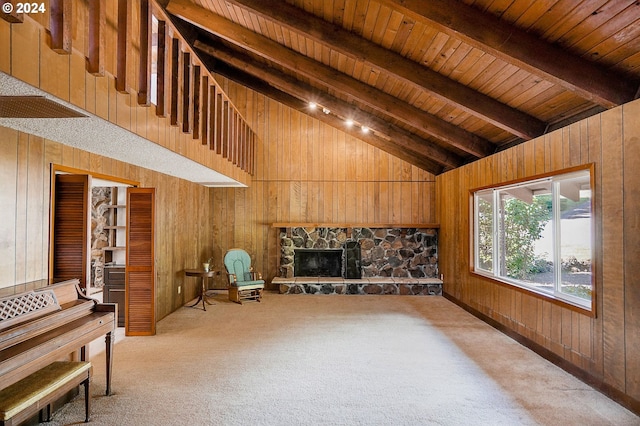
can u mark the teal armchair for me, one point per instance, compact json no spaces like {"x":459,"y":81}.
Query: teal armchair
{"x":244,"y":284}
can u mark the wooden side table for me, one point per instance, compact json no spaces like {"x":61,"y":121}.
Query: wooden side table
{"x":204,"y":275}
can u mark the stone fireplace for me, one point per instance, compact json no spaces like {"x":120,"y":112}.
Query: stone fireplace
{"x":384,"y":252}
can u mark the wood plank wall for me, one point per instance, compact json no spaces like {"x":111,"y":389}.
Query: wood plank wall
{"x":183,"y":210}
{"x":307,"y":171}
{"x":605,"y":347}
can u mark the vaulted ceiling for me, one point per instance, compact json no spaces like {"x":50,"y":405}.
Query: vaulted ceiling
{"x":439,"y":83}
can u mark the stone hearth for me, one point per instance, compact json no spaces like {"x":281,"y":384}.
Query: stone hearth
{"x":326,"y":285}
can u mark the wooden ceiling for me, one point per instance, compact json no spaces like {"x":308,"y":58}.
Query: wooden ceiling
{"x":440,"y":83}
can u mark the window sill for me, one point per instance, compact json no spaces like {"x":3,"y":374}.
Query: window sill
{"x":539,"y":295}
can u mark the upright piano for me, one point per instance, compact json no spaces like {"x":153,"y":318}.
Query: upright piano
{"x":53,"y":323}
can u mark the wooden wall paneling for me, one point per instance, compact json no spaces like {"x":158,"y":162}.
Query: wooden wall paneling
{"x":37,"y":209}
{"x":631,"y":239}
{"x":584,"y":142}
{"x":575,"y":145}
{"x":124,"y":30}
{"x":302,"y":128}
{"x":96,"y":35}
{"x":10,"y":197}
{"x":153,"y":125}
{"x":298,"y":145}
{"x":316,"y":153}
{"x":258,"y":204}
{"x":23,"y":53}
{"x":613,"y":250}
{"x":257,"y":122}
{"x":196,"y":109}
{"x":97,"y":90}
{"x":269,"y":159}
{"x":243,"y":229}
{"x":5,"y":46}
{"x":205,"y":114}
{"x":595,"y":156}
{"x":77,"y":85}
{"x":175,"y":81}
{"x":140,"y":125}
{"x":216,"y":204}
{"x":144,"y":67}
{"x":186,"y":92}
{"x":52,"y":66}
{"x":326,"y":201}
{"x":124,"y":111}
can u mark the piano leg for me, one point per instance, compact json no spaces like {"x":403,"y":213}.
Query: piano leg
{"x":109,"y":339}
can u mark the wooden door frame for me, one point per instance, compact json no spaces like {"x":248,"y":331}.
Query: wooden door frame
{"x":59,"y":169}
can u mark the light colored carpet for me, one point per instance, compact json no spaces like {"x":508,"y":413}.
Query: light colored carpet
{"x":335,"y":360}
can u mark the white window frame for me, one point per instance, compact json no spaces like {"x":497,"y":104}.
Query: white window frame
{"x":493,"y":193}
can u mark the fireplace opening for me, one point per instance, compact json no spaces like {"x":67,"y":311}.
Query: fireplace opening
{"x":317,"y":263}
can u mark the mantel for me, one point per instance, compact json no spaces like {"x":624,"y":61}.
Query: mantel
{"x":355,"y":225}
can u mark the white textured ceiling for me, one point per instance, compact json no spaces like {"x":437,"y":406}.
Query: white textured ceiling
{"x":96,"y":135}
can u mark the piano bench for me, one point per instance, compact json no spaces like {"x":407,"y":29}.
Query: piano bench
{"x":38,"y":391}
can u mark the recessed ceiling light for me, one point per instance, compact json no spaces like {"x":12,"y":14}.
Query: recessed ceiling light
{"x":313,"y":105}
{"x":365,"y":129}
{"x":349,"y":122}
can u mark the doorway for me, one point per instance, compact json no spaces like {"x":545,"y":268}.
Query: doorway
{"x":91,"y":241}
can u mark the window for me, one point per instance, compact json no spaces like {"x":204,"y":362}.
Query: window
{"x":154,"y":60}
{"x":537,"y":235}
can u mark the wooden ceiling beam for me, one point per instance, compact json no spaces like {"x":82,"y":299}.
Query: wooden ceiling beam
{"x":376,"y":99}
{"x":262,"y":87}
{"x":307,"y":93}
{"x":340,"y":108}
{"x":515,"y":46}
{"x":360,"y":49}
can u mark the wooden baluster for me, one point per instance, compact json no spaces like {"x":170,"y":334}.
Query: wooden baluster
{"x":60,"y":26}
{"x":186,"y":91}
{"x":205,"y":110}
{"x":161,"y":70}
{"x":13,"y":17}
{"x":97,"y":26}
{"x":124,"y":40}
{"x":175,"y":80}
{"x":219,"y":123}
{"x":195,"y":104}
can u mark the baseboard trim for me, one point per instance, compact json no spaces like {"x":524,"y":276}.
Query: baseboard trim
{"x":618,"y":396}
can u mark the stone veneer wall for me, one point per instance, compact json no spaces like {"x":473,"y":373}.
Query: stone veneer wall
{"x":100,"y":198}
{"x":386,"y":252}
